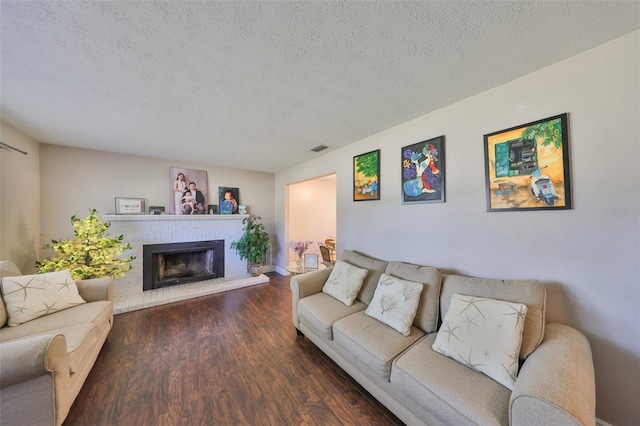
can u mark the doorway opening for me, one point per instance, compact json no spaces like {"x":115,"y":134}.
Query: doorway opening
{"x":311,"y":213}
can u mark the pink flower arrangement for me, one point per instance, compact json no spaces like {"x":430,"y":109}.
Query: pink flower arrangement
{"x":299,"y":247}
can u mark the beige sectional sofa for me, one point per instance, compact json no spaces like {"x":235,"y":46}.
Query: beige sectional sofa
{"x":44,"y":362}
{"x":555,"y":383}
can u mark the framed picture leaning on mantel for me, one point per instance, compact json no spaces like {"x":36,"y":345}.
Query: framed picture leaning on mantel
{"x":527,"y":167}
{"x":126,"y":205}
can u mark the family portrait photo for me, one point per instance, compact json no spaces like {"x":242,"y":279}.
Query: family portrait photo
{"x":189,"y":193}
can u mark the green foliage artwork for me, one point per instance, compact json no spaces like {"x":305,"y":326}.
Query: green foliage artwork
{"x":548,"y":131}
{"x":367,"y":164}
{"x":366,"y":176}
{"x":93,"y":253}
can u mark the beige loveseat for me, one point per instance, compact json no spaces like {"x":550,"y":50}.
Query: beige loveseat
{"x":555,"y":384}
{"x":44,"y":362}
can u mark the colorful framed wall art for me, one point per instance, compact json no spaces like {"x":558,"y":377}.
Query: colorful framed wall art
{"x":366,"y":176}
{"x":527,"y":167}
{"x":422,"y":168}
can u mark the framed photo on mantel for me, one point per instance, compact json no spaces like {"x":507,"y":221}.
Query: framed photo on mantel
{"x":130,"y":205}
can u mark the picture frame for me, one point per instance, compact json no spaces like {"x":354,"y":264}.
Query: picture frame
{"x":310,"y":261}
{"x":155,"y":210}
{"x":189,"y":191}
{"x":527,"y":167}
{"x":125,"y":205}
{"x":423,"y":172}
{"x":212,"y":208}
{"x":366,"y":176}
{"x":228,"y":206}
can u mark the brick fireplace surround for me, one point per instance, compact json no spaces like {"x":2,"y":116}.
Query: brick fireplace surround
{"x":139,"y":230}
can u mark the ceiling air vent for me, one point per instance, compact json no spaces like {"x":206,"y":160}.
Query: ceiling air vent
{"x":319,"y":148}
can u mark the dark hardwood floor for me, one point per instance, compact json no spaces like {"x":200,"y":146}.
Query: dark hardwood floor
{"x":227,"y":359}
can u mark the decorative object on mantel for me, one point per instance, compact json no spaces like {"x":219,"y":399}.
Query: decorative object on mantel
{"x":299,"y":247}
{"x":129,"y":205}
{"x":93,"y":253}
{"x":156,"y":209}
{"x":189,"y":191}
{"x":253,"y":244}
{"x":229,"y":199}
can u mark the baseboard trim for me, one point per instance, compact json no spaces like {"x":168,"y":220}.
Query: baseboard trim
{"x":602,"y":423}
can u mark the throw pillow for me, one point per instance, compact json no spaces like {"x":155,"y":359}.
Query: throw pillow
{"x":483,"y":334}
{"x":29,"y":297}
{"x":344,"y":282}
{"x":395,"y":303}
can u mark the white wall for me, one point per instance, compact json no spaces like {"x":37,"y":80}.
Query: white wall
{"x":588,"y":257}
{"x":312,"y":212}
{"x":19,"y":200}
{"x":76,"y":180}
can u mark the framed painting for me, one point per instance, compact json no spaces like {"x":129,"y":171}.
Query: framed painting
{"x":228,"y":198}
{"x":422,"y":168}
{"x":366,"y":176}
{"x":527,"y":167}
{"x":189,"y":193}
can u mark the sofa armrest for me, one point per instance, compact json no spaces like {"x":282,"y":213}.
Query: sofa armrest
{"x":34,"y":380}
{"x":305,"y":285}
{"x":556,"y":384}
{"x":96,"y":289}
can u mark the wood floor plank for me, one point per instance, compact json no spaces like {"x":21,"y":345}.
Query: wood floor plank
{"x":230,"y":358}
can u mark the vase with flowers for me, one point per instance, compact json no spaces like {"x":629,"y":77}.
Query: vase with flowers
{"x":299,"y":247}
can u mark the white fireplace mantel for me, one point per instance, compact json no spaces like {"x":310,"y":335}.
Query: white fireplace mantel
{"x":139,"y":230}
{"x":170,"y":217}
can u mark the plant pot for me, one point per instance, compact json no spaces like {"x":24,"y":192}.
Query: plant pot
{"x":255,"y":269}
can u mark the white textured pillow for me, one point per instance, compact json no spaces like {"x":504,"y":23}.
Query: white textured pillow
{"x":29,"y":297}
{"x":395,"y":303}
{"x":483,"y":334}
{"x":344,"y":282}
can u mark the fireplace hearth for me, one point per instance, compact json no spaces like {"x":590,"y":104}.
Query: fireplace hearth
{"x":180,"y":263}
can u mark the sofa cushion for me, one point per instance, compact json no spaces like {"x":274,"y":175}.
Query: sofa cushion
{"x":7,"y":269}
{"x":375,"y":268}
{"x":32,"y":296}
{"x":344,"y":282}
{"x":371,"y":343}
{"x":93,"y":312}
{"x":431,"y":278}
{"x":448,"y":389}
{"x":483,"y":334}
{"x":319,"y":311}
{"x":81,"y":327}
{"x":395,"y":303}
{"x":530,"y":292}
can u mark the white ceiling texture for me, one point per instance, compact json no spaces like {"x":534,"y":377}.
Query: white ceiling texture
{"x":256,"y":85}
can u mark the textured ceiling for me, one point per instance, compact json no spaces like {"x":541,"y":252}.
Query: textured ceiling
{"x":256,"y":85}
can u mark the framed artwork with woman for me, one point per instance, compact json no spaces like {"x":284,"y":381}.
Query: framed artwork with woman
{"x":189,"y":192}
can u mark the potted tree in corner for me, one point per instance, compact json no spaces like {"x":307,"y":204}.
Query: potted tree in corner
{"x":92,"y":253}
{"x":253,"y":244}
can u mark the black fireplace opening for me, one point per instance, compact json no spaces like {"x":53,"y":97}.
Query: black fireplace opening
{"x":171,"y":264}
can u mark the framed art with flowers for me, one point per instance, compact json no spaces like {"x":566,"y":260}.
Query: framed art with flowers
{"x":423,"y":172}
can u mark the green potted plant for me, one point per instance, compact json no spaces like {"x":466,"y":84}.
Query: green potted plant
{"x":93,"y":253}
{"x":253,"y":244}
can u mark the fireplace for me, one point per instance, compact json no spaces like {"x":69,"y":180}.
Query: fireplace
{"x":180,"y":263}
